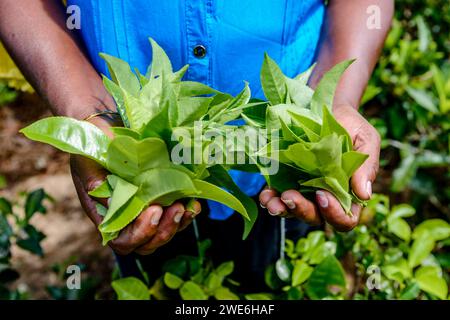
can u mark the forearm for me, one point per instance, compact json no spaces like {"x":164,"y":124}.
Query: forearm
{"x":35,"y":34}
{"x":346,"y":35}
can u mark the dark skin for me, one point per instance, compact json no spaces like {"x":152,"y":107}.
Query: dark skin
{"x":54,"y":62}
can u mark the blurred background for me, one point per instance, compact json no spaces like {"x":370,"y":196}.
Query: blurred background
{"x":43,"y":228}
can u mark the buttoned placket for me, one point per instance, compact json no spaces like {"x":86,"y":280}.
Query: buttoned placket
{"x":198,"y":35}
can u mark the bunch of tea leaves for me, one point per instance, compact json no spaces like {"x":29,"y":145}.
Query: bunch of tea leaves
{"x":314,"y":151}
{"x":159,"y":111}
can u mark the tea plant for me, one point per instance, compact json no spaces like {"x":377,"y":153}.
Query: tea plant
{"x":15,"y":228}
{"x":407,"y":99}
{"x":184,"y":277}
{"x":413,"y":262}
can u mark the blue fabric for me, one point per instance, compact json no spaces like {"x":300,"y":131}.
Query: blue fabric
{"x":235,"y":33}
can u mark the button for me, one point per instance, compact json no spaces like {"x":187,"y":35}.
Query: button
{"x":199,"y":51}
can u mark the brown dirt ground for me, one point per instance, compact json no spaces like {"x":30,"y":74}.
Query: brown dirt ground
{"x":28,"y":165}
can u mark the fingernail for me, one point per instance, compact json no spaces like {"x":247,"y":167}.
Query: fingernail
{"x":156,"y":216}
{"x":274,"y":213}
{"x":109,"y":202}
{"x":178,"y":217}
{"x":369,"y":188}
{"x":322,"y":199}
{"x":289,"y":203}
{"x":261,"y":205}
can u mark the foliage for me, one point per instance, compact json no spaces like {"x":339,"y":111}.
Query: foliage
{"x":154,"y":108}
{"x":315,"y":150}
{"x":389,"y":259}
{"x":10,"y":75}
{"x":88,"y":285}
{"x":159,"y":106}
{"x":184,"y":277}
{"x":408,"y":101}
{"x":15,"y":228}
{"x":413,"y":261}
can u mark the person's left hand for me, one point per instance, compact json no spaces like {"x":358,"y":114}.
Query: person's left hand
{"x":326,"y":207}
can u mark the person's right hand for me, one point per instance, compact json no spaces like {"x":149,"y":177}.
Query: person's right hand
{"x":154,"y":227}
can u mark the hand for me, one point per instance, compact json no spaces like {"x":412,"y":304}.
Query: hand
{"x":326,"y":207}
{"x":154,"y":227}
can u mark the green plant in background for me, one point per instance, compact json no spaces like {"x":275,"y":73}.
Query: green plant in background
{"x":184,"y":277}
{"x":310,"y":271}
{"x":383,"y":258}
{"x":88,"y":285}
{"x":7,"y":95}
{"x":412,"y":263}
{"x":15,"y":228}
{"x":408,"y":101}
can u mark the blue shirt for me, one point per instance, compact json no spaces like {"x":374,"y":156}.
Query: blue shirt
{"x":235,"y":34}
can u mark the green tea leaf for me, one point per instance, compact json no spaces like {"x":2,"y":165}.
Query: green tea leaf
{"x":102,"y":191}
{"x":333,"y":186}
{"x":420,"y":249}
{"x":123,"y":191}
{"x":130,"y":289}
{"x":329,"y":273}
{"x":121,"y":131}
{"x":402,"y":211}
{"x":437,"y":229}
{"x":430,"y":280}
{"x":299,"y":93}
{"x":302,"y":271}
{"x":330,"y":126}
{"x":172,"y":281}
{"x":121,"y":74}
{"x":117,"y":93}
{"x":161,"y":65}
{"x":223,"y":293}
{"x":225,"y":269}
{"x":70,"y":135}
{"x":191,"y":109}
{"x":192,"y":291}
{"x":164,"y":186}
{"x":212,"y":192}
{"x":111,"y":225}
{"x":273,"y":81}
{"x":127,"y":157}
{"x":303,"y":77}
{"x":324,"y":93}
{"x":400,"y":228}
{"x":220,"y":177}
{"x":352,"y":160}
{"x":194,"y":89}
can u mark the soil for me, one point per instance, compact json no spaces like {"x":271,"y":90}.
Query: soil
{"x":70,"y":235}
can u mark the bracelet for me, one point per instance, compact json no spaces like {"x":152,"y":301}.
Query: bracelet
{"x":101,"y":113}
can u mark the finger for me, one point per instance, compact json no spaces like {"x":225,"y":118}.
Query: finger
{"x":276,"y":207}
{"x":139,"y":231}
{"x":266,"y":195}
{"x":190,"y":214}
{"x":367,"y":142}
{"x":89,"y":175}
{"x":334,"y":214}
{"x":167,"y":228}
{"x":79,"y":179}
{"x":301,"y":207}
